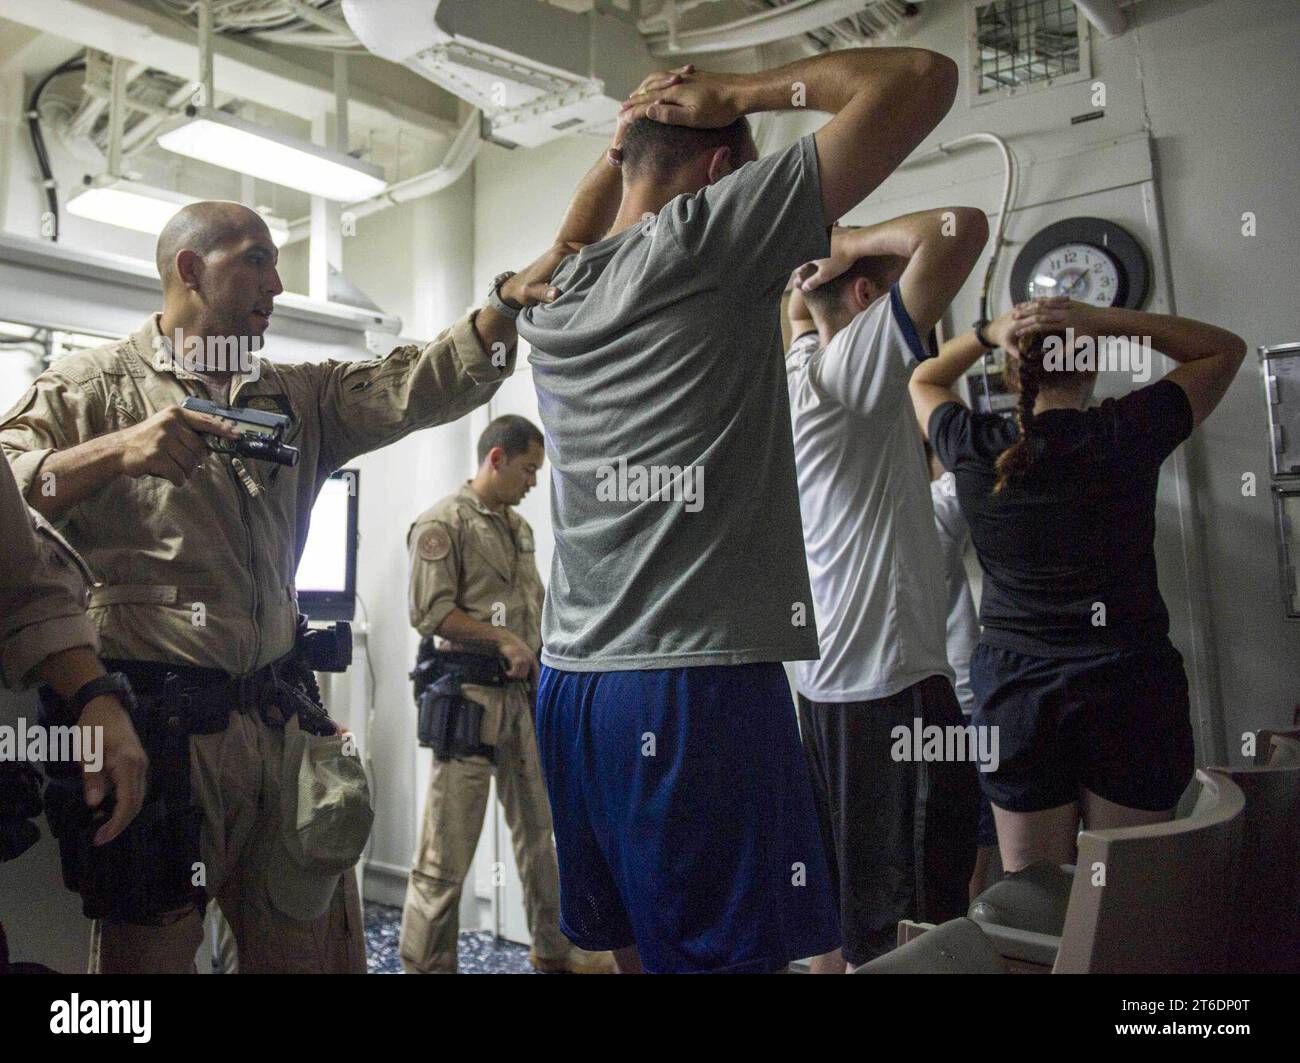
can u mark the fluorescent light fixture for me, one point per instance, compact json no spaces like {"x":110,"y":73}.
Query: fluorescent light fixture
{"x":132,"y":205}
{"x":224,"y":140}
{"x":128,"y":204}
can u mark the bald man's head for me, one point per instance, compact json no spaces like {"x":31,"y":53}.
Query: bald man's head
{"x":218,"y":263}
{"x":203,"y":228}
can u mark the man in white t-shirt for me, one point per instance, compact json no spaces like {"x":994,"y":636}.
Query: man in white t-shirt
{"x":897,"y":815}
{"x":963,"y":625}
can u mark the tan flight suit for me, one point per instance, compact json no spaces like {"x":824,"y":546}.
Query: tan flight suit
{"x":203,"y":574}
{"x":44,"y":589}
{"x":465,"y":556}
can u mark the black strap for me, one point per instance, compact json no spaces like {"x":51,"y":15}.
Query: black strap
{"x":115,"y":684}
{"x":203,"y":696}
{"x":476,"y":668}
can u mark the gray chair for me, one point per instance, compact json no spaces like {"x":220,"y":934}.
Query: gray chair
{"x":1283,"y":751}
{"x":1265,"y":934}
{"x":1264,"y":748}
{"x":959,"y":946}
{"x":1154,"y":899}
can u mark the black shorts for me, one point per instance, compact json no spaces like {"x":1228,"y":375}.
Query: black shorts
{"x":899,"y":833}
{"x":1118,"y":724}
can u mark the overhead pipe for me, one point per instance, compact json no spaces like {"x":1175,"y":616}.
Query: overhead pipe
{"x":116,"y":115}
{"x":144,"y":34}
{"x":667,"y":10}
{"x":316,"y":17}
{"x":764,"y":27}
{"x":460,"y":153}
{"x":1105,"y":15}
{"x":1009,"y":182}
{"x":205,"y":52}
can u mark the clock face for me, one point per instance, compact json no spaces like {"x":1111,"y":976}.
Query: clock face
{"x":1080,"y":271}
{"x":1091,"y":260}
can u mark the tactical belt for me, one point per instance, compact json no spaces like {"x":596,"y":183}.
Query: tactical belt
{"x":479,"y":669}
{"x":204,"y":696}
{"x":146,"y":875}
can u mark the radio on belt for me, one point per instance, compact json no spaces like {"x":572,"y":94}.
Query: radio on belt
{"x":260,"y":433}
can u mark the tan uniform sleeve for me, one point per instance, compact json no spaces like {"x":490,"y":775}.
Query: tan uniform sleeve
{"x":367,"y":405}
{"x":42,"y":602}
{"x":435,"y":574}
{"x":55,"y":413}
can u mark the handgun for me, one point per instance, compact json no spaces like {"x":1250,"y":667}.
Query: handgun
{"x":260,"y":433}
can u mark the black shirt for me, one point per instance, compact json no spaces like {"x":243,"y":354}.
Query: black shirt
{"x":1068,"y":550}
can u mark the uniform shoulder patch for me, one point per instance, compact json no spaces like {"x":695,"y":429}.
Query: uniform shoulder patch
{"x":434,"y":543}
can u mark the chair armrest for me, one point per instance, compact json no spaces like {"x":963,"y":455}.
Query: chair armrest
{"x":1022,"y":946}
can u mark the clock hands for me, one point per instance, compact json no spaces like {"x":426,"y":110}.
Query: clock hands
{"x":1075,"y":283}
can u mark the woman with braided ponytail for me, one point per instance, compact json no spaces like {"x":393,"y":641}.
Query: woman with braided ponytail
{"x":1027,"y":372}
{"x":1074,"y":668}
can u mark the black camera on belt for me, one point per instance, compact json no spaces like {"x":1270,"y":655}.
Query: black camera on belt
{"x":325,"y":649}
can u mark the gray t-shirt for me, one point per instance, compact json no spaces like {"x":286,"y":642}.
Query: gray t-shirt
{"x":660,"y":384}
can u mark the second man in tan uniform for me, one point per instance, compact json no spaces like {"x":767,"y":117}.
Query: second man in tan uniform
{"x":474,"y":580}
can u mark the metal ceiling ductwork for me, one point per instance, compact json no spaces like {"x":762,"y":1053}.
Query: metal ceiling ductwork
{"x":535,"y":71}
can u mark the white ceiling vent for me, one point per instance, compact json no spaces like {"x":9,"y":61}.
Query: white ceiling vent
{"x":535,"y":71}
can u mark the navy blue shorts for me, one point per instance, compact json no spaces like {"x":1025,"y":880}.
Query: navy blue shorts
{"x":986,"y":835}
{"x":1118,"y":724}
{"x":684,"y":817}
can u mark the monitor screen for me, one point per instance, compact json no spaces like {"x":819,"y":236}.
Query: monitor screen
{"x":327,"y":572}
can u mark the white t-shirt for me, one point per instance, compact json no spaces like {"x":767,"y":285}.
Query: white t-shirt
{"x":963,"y":623}
{"x":864,"y":494}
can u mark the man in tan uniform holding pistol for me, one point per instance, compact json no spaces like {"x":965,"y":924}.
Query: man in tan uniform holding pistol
{"x":196,"y":551}
{"x":474,"y":583}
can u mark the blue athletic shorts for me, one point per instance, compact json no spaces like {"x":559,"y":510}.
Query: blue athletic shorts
{"x":684,"y":817}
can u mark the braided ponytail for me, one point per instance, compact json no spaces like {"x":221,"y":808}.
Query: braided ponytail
{"x":1016,"y":460}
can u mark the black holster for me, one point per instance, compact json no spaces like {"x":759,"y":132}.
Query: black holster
{"x":296,"y":692}
{"x":20,"y":804}
{"x":448,"y":722}
{"x":149,"y":870}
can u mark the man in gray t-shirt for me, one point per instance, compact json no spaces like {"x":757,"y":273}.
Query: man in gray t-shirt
{"x":673,"y":493}
{"x":685,"y":828}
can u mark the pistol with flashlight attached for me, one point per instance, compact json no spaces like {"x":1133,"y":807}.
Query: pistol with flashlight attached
{"x":260,"y":433}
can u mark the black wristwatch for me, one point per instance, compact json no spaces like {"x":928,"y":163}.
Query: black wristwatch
{"x":979,"y":334}
{"x":114,"y":684}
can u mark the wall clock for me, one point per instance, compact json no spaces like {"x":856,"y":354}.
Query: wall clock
{"x":1089,"y":259}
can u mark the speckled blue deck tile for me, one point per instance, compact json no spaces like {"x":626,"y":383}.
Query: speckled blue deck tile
{"x":479,"y":953}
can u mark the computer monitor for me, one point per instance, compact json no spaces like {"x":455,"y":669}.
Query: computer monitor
{"x":327,"y":572}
